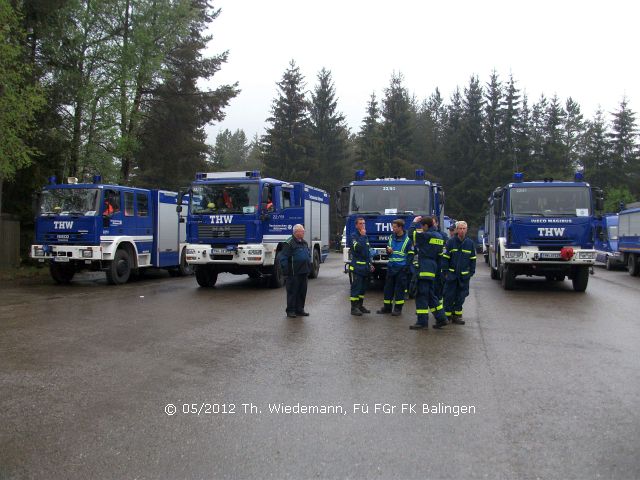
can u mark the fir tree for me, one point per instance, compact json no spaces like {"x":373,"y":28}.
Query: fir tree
{"x":287,"y":141}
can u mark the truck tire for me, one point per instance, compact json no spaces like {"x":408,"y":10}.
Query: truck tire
{"x":580,"y":278}
{"x":184,"y":270}
{"x":607,"y":263}
{"x":315,"y":264}
{"x":276,"y":280}
{"x":62,"y":272}
{"x":494,"y":273}
{"x":632,"y":265}
{"x":119,"y":270}
{"x":508,"y":278}
{"x":206,"y":276}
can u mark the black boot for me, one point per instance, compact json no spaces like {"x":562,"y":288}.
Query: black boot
{"x":385,"y":309}
{"x":362,"y":308}
{"x":354,"y":308}
{"x":397,"y":311}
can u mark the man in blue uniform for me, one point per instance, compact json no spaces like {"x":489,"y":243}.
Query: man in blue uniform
{"x":295,"y":261}
{"x":360,"y":267}
{"x":458,"y":266}
{"x":400,"y":255}
{"x":428,"y":246}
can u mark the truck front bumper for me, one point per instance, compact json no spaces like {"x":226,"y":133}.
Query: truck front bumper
{"x":534,"y":257}
{"x":247,"y":255}
{"x":66,"y":253}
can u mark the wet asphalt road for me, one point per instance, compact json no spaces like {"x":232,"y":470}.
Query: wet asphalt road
{"x":87,"y":371}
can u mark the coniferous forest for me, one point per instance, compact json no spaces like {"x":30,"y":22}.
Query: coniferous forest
{"x":114,"y":88}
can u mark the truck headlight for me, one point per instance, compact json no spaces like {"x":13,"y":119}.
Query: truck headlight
{"x":191,"y":251}
{"x":38,"y":252}
{"x":513,"y":254}
{"x":87,"y":253}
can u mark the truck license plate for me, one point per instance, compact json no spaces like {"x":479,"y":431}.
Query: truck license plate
{"x":61,"y":259}
{"x":548,"y":255}
{"x":219,"y":251}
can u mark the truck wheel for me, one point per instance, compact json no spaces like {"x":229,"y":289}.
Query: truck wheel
{"x":62,"y":273}
{"x":119,"y":269}
{"x":508,"y":277}
{"x":184,"y":269}
{"x":580,"y":279}
{"x":277,"y":278}
{"x":206,"y":276}
{"x":632,"y":265}
{"x":315,"y":265}
{"x":607,"y":263}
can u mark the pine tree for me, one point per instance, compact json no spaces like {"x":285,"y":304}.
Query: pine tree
{"x":597,"y":156}
{"x":369,"y":154}
{"x":397,"y":129}
{"x":179,"y":106}
{"x":287,"y":141}
{"x":624,"y":148}
{"x":574,"y":132}
{"x":493,"y":132}
{"x":556,"y":161}
{"x":510,"y":129}
{"x":328,"y":134}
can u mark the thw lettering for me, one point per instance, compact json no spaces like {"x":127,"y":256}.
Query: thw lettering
{"x":550,"y":232}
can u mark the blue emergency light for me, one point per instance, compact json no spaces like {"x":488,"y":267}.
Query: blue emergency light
{"x":518,"y":177}
{"x":579,"y":176}
{"x":201,"y":175}
{"x":52,"y":180}
{"x":255,"y":174}
{"x":419,"y":174}
{"x":360,"y":174}
{"x":97,"y":179}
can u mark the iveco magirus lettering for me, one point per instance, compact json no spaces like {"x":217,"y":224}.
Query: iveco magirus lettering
{"x":543,"y":228}
{"x":238,"y":221}
{"x":113,"y":228}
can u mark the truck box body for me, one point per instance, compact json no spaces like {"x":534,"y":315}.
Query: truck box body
{"x":629,"y":239}
{"x":238,"y":221}
{"x":74,"y":228}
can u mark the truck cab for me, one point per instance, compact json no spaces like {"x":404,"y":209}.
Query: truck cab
{"x":606,"y":243}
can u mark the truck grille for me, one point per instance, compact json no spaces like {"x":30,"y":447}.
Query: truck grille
{"x":551,"y":243}
{"x":221,"y":231}
{"x":63,"y":237}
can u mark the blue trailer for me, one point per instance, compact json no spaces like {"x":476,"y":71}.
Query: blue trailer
{"x":382,"y":200}
{"x":117,"y":229}
{"x":606,"y":243}
{"x":543,"y":228}
{"x":237,"y":222}
{"x":629,"y":239}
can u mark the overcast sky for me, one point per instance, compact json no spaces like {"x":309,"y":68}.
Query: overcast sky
{"x":584,"y":49}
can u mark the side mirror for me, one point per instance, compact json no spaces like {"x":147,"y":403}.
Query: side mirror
{"x":179,"y":209}
{"x":599,"y":204}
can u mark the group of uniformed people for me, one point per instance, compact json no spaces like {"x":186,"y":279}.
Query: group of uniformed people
{"x":442,"y":267}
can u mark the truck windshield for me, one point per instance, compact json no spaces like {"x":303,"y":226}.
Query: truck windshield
{"x":70,"y":201}
{"x":224,"y":198}
{"x":389,"y":199}
{"x":551,"y":201}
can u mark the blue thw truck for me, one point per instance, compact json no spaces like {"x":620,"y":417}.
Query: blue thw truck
{"x":237,"y":222}
{"x":382,"y":200}
{"x":606,"y":244}
{"x":629,"y":239}
{"x":543,"y":228}
{"x":117,"y":229}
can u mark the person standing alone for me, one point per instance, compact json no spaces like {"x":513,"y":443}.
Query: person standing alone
{"x":295,"y":261}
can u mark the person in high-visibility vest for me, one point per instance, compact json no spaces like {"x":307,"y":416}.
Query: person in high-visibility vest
{"x":400,"y":252}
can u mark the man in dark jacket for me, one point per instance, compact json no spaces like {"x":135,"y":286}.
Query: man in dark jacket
{"x":458,"y":266}
{"x":295,"y":261}
{"x":360,"y":267}
{"x":428,"y":244}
